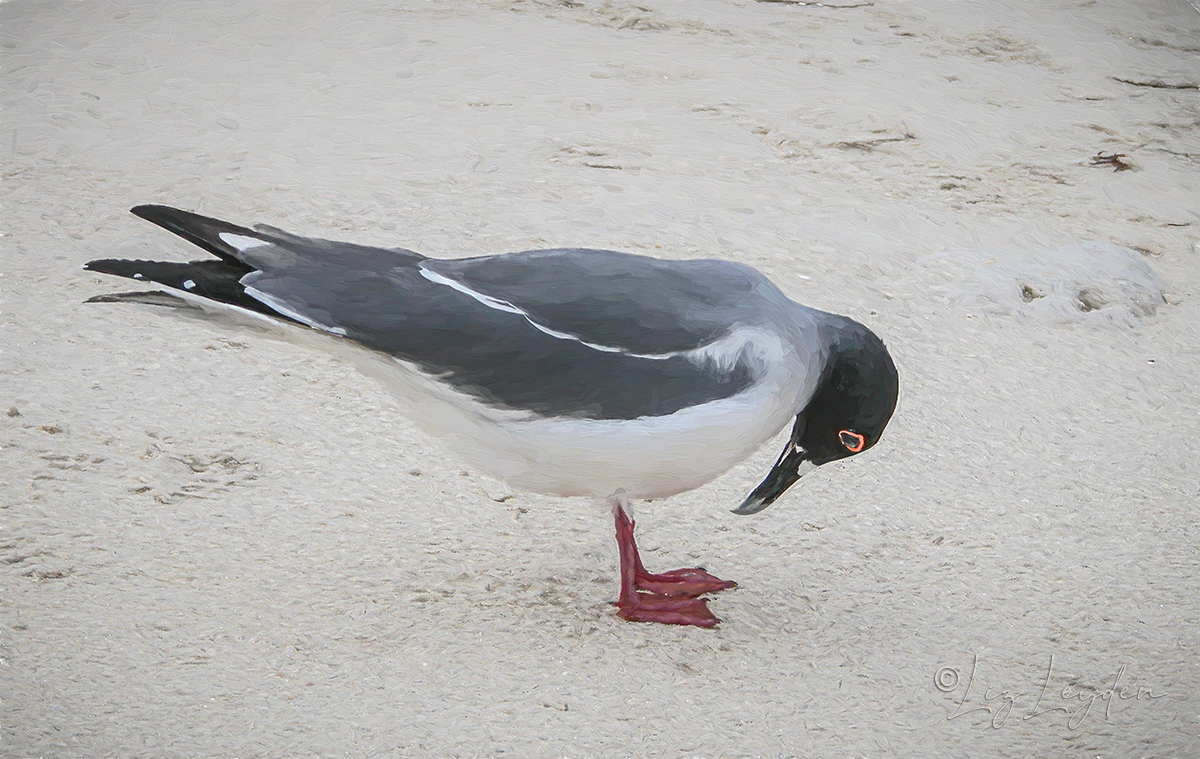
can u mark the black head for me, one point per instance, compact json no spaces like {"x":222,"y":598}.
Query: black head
{"x":851,"y":406}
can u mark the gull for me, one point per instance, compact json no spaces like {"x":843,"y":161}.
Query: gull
{"x":569,"y":371}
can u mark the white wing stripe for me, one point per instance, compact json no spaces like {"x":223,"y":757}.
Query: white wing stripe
{"x":486,"y":300}
{"x":503,"y":305}
{"x":288,"y":311}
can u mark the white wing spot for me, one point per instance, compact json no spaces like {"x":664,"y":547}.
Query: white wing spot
{"x":241,"y":242}
{"x":189,"y":284}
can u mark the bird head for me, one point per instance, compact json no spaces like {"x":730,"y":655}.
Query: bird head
{"x":846,"y":415}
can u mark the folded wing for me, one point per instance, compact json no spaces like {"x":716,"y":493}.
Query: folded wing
{"x":585,"y":333}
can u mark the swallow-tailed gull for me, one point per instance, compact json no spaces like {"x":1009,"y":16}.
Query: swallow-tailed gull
{"x":568,"y":371}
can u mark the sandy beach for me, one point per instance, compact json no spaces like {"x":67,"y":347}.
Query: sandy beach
{"x":217,"y":544}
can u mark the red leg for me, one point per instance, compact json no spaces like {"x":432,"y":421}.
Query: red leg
{"x":669,"y":598}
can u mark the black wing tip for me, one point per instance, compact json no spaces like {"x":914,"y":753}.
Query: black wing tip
{"x":146,"y":210}
{"x":174,"y":219}
{"x":106,"y":265}
{"x":202,"y":231}
{"x":169,"y":217}
{"x":126,"y":267}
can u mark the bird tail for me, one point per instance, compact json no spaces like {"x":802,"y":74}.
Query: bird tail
{"x":218,"y":280}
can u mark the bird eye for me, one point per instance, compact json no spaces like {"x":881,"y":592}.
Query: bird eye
{"x":853,"y":441}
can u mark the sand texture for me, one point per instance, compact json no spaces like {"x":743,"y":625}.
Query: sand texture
{"x":217,"y":544}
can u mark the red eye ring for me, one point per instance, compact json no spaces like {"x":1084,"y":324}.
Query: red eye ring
{"x":853,"y":441}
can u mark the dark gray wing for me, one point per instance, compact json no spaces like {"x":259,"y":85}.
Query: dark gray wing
{"x":563,"y":332}
{"x":558,"y":333}
{"x":638,"y":304}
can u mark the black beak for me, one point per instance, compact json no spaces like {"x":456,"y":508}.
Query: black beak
{"x":792,"y":465}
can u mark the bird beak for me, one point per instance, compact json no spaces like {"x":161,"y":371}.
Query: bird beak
{"x":791,"y":466}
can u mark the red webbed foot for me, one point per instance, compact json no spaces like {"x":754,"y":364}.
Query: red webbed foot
{"x":688,"y":583}
{"x":651,"y":607}
{"x":670,"y":598}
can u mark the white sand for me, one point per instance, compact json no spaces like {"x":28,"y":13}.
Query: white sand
{"x":215,"y":544}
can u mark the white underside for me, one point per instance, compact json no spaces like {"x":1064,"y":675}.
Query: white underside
{"x":650,"y":457}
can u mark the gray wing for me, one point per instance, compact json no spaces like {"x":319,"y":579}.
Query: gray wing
{"x":582,"y":333}
{"x":561,"y":332}
{"x":635,"y":303}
